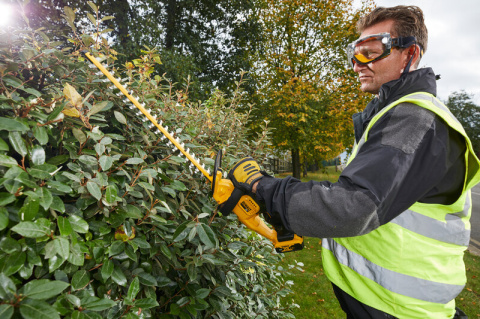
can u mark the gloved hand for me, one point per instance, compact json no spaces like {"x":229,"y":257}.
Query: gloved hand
{"x":245,"y":174}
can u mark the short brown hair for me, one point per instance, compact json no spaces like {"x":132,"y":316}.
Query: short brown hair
{"x":408,"y":21}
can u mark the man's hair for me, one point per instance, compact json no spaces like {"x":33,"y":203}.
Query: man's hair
{"x":408,"y":21}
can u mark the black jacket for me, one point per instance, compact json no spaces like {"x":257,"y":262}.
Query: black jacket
{"x":411,"y":155}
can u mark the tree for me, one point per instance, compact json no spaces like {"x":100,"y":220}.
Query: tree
{"x":205,"y":40}
{"x":305,"y":90}
{"x":461,"y":104}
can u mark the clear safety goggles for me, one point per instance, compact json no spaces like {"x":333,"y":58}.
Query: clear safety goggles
{"x":375,"y":47}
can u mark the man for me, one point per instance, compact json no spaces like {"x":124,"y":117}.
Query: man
{"x":397,"y":221}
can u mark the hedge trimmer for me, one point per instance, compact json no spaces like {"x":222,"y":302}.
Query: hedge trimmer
{"x":247,"y":210}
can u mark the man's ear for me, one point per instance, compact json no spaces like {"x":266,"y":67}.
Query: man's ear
{"x":413,"y":50}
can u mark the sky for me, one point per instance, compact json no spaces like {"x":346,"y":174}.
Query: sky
{"x":453,"y":43}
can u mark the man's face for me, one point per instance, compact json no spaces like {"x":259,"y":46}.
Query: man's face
{"x":374,"y":74}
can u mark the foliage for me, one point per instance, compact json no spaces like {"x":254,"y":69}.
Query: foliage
{"x":205,"y":40}
{"x":101,"y":219}
{"x":461,"y":104}
{"x":305,"y":89}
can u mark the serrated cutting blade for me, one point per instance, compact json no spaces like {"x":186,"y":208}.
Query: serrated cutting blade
{"x":178,"y":144}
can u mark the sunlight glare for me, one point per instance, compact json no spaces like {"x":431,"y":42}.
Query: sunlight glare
{"x":5,"y":14}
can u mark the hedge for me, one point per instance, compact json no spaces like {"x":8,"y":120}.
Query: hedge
{"x":99,"y":218}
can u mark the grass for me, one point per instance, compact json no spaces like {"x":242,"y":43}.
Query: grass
{"x":313,"y":292}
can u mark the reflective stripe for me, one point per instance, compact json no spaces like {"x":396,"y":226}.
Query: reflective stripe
{"x":437,"y":103}
{"x":406,"y":285}
{"x":451,"y":231}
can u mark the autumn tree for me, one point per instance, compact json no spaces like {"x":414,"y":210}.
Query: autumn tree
{"x":305,"y":90}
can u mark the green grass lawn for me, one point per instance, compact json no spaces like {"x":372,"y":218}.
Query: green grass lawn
{"x":313,"y":292}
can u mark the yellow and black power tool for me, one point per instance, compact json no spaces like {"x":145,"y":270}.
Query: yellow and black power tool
{"x":246,"y":208}
{"x":248,"y":212}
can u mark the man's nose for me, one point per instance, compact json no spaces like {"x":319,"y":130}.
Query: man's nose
{"x":357,"y":67}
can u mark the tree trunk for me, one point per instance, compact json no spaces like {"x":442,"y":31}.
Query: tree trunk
{"x":296,"y":163}
{"x":171,"y":24}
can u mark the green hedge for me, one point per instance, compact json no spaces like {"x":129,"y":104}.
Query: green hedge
{"x":99,"y":218}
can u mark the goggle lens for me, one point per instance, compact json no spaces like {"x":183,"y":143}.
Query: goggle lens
{"x":369,"y":49}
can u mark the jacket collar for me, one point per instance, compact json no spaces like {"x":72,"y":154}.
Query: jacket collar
{"x":422,"y":80}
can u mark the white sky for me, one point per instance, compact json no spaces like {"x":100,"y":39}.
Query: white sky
{"x":453,"y":43}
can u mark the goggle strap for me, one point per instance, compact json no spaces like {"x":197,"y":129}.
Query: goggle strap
{"x":403,"y":42}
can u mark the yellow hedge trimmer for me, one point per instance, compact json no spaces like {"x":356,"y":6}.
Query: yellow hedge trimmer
{"x":247,"y":210}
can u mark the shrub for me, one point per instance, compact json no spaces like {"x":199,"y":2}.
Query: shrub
{"x":101,"y":219}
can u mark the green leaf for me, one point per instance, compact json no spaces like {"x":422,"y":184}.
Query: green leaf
{"x":12,"y":125}
{"x":78,"y":224}
{"x":202,"y":293}
{"x":97,"y":107}
{"x":12,"y":81}
{"x":56,"y":111}
{"x":38,"y":155}
{"x":87,"y":159}
{"x":45,"y":197}
{"x":80,"y":279}
{"x":57,"y":204}
{"x":120,"y":117}
{"x":133,"y":212}
{"x":42,"y":289}
{"x":54,"y":263}
{"x":29,"y":229}
{"x":107,"y":269}
{"x":94,"y":190}
{"x":110,"y":194}
{"x":181,"y":232}
{"x":134,"y":289}
{"x":146,"y":303}
{"x":13,"y":263}
{"x":119,"y":277}
{"x":43,"y":171}
{"x":64,"y":226}
{"x":7,"y":161}
{"x":207,"y":236}
{"x":18,"y":143}
{"x":178,"y":185}
{"x":3,"y":218}
{"x":97,"y":304}
{"x":6,"y":198}
{"x":62,"y":246}
{"x":37,"y":309}
{"x":29,"y":210}
{"x":61,"y":187}
{"x":40,"y":134}
{"x":134,"y":161}
{"x":10,"y":245}
{"x":105,"y":162}
{"x":3,"y":145}
{"x":59,"y":159}
{"x":79,"y":135}
{"x":147,"y":279}
{"x":6,"y":311}
{"x":93,"y":6}
{"x":7,"y":287}
{"x":116,"y":248}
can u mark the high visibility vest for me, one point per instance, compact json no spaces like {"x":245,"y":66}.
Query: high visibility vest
{"x":411,"y":267}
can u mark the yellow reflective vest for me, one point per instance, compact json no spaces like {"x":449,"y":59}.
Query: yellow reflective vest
{"x":411,"y":267}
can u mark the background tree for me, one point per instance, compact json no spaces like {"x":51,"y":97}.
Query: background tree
{"x":305,"y":90}
{"x":205,"y":40}
{"x":461,"y":104}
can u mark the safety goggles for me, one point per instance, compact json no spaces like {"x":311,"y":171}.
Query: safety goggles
{"x":375,"y":47}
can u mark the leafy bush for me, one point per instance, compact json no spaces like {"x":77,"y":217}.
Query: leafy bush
{"x":99,"y":218}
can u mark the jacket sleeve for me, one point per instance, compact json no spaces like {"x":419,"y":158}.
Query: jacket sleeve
{"x":408,"y":156}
